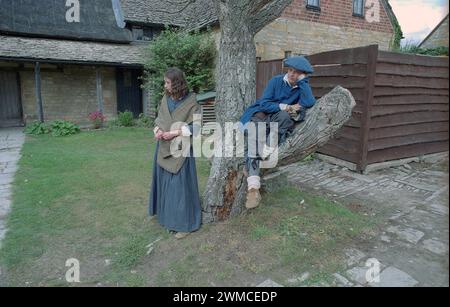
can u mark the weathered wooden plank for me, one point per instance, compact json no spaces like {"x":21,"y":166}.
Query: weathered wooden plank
{"x":358,"y":94}
{"x":350,"y":133}
{"x":407,"y":140}
{"x":344,"y":56}
{"x":410,"y":100}
{"x":333,"y":151}
{"x":372,"y":56}
{"x":355,"y":70}
{"x":387,"y":132}
{"x":405,"y":108}
{"x":265,"y":71}
{"x":403,"y":81}
{"x":408,"y":118}
{"x":407,"y":151}
{"x":354,"y":122}
{"x":411,"y":59}
{"x":331,"y":82}
{"x":346,"y":145}
{"x":399,"y":91}
{"x":412,"y":70}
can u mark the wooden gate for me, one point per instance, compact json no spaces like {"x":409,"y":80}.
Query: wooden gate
{"x":129,"y":92}
{"x":10,"y":104}
{"x":402,"y":107}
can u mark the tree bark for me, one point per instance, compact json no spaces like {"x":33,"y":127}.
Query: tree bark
{"x":239,"y":21}
{"x":236,"y":88}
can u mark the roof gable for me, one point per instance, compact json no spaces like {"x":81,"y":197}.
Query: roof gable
{"x":433,"y":31}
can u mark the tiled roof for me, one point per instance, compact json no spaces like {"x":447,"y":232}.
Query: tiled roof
{"x":165,"y":12}
{"x":23,"y":48}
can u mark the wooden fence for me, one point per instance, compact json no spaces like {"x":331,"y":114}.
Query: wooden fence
{"x":402,"y":107}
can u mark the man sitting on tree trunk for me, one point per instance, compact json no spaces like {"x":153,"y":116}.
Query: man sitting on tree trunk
{"x":284,"y":102}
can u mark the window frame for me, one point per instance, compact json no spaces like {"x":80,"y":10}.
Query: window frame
{"x":363,"y":7}
{"x":312,"y":7}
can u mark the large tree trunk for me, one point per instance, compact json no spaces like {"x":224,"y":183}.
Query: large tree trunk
{"x":239,"y":21}
{"x":236,"y":88}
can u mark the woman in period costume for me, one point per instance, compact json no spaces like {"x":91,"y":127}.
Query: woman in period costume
{"x":174,"y":195}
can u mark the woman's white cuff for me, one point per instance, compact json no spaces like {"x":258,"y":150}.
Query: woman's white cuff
{"x":185,"y":131}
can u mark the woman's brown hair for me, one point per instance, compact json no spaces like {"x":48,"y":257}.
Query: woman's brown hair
{"x":179,"y":84}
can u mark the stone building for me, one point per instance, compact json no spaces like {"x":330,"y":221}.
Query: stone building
{"x":64,"y":59}
{"x":308,"y":27}
{"x":438,"y":37}
{"x":60,"y":61}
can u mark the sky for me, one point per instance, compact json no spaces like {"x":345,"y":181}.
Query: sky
{"x":418,"y":17}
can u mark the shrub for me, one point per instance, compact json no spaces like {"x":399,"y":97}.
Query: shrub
{"x":144,"y":121}
{"x":97,"y":118}
{"x":37,"y":128}
{"x":415,"y":49}
{"x":125,"y":119}
{"x":56,"y":128}
{"x":194,"y":53}
{"x":63,"y":128}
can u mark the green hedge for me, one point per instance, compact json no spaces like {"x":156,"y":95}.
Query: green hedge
{"x":194,"y":53}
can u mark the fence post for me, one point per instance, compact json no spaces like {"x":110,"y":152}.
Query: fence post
{"x":372,"y":56}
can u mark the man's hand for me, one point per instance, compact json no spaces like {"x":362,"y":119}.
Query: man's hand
{"x":293,"y":108}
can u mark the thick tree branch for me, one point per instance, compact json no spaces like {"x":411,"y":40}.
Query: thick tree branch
{"x":322,"y":122}
{"x":258,"y":5}
{"x":268,"y":13}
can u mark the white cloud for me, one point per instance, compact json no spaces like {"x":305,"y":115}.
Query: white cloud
{"x":419,"y":17}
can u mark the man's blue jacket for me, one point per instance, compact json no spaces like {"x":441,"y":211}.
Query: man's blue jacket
{"x":279,"y":91}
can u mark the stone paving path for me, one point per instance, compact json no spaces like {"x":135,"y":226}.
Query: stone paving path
{"x":412,"y":203}
{"x":11,"y":141}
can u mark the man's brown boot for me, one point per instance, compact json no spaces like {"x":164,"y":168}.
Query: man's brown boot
{"x":181,"y":235}
{"x":253,"y":199}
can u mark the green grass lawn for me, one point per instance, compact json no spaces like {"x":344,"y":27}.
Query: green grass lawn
{"x":85,"y":197}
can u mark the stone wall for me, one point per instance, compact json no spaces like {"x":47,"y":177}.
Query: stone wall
{"x":68,"y":93}
{"x":304,"y":37}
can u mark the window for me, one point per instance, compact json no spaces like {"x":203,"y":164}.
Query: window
{"x":144,"y":33}
{"x":313,"y":5}
{"x":138,"y":33}
{"x":358,"y":8}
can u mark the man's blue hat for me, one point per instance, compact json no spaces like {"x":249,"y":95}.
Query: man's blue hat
{"x":299,"y":63}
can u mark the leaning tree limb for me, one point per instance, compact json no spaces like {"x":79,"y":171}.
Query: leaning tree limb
{"x":322,"y":122}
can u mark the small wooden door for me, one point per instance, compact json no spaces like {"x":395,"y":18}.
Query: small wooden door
{"x":129,"y":92}
{"x":10,"y":104}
